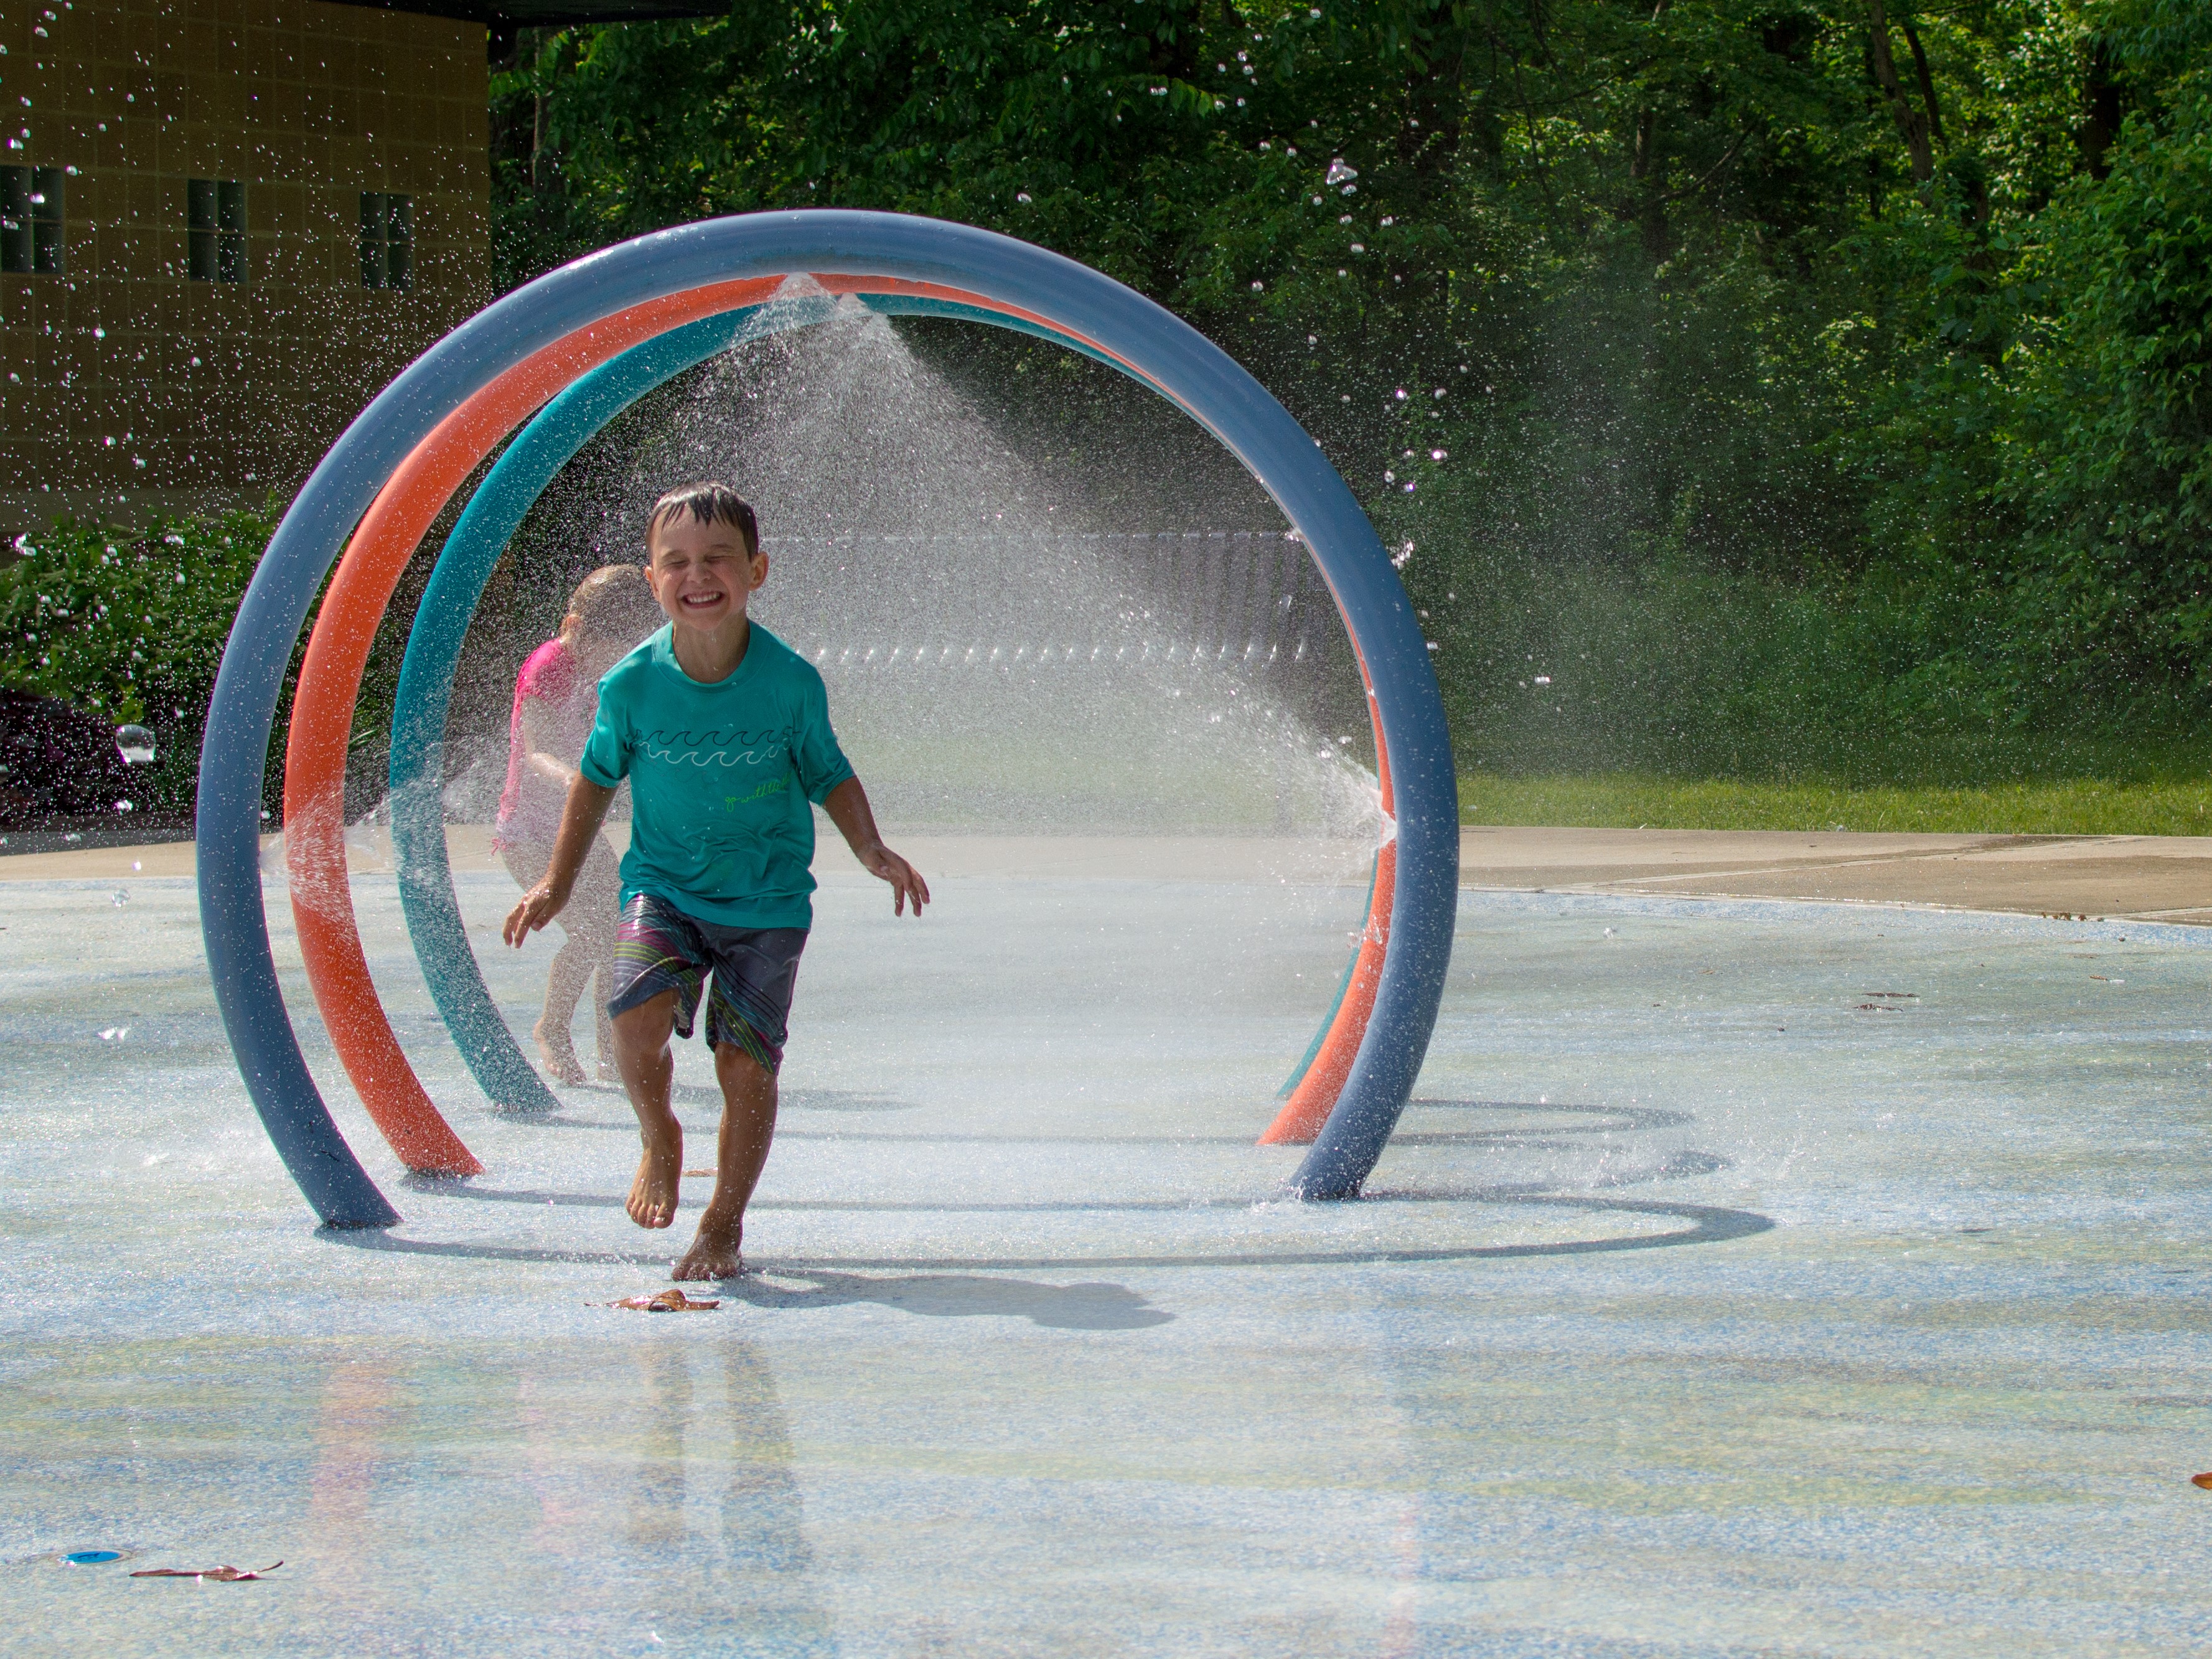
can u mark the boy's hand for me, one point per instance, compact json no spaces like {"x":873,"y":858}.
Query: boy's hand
{"x":847,"y":807}
{"x":539,"y":906}
{"x":906,"y":881}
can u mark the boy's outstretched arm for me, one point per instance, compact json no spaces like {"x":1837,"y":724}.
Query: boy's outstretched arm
{"x":847,"y":807}
{"x":579,"y":827}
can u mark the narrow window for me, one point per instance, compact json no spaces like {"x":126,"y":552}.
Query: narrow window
{"x":215,"y":213}
{"x":387,"y":240}
{"x":32,"y":203}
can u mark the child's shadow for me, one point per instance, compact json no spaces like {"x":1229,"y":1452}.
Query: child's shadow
{"x":1086,"y":1307}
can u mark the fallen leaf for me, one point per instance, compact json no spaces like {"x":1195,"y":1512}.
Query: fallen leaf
{"x":216,"y":1575}
{"x":2204,"y":1480}
{"x":668,"y":1301}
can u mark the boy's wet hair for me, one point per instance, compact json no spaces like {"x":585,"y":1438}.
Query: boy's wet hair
{"x":707,"y":501}
{"x":615,"y":602}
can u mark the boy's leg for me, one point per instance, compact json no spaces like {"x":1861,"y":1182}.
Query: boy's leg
{"x":657,"y":972}
{"x":746,"y":1016}
{"x":748,"y":1129}
{"x":648,"y":1070}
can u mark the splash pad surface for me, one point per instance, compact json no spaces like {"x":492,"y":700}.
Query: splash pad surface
{"x":1699,"y":1306}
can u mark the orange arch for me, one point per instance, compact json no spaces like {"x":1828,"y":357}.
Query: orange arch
{"x":1314,"y":1098}
{"x":330,"y":685}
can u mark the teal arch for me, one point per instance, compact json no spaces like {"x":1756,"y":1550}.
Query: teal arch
{"x":424,"y":701}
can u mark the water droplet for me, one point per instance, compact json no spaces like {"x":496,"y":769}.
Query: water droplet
{"x":135,"y":744}
{"x":119,"y":898}
{"x":1341,"y":173}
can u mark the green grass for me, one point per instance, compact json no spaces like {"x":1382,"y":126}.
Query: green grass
{"x":2060,"y":807}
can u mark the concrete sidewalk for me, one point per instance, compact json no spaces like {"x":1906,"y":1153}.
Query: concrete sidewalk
{"x":2150,"y":877}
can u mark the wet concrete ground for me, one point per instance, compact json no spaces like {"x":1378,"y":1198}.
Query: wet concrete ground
{"x":2123,"y":878}
{"x":1747,"y":1279}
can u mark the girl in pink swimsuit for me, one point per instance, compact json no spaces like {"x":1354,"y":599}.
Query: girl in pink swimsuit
{"x":556,"y":697}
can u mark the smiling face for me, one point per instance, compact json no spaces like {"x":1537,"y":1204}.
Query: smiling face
{"x":702,"y":572}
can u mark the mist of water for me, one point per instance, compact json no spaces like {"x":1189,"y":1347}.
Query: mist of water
{"x":1029,"y":619}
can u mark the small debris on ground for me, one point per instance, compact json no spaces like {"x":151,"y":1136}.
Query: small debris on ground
{"x":211,"y":1575}
{"x":668,"y":1301}
{"x":2204,"y":1480}
{"x":693,"y":1174}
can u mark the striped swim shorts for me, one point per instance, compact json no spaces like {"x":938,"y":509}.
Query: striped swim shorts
{"x":658,"y":948}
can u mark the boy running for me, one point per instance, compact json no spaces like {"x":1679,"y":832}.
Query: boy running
{"x":724,"y":733}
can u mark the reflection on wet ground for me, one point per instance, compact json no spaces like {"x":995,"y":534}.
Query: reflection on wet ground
{"x":1697,"y":1308}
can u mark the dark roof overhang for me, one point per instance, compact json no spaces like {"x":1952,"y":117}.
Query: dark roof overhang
{"x":500,"y":19}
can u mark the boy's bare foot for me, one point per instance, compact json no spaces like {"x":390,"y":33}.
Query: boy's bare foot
{"x":715,"y":1254}
{"x":558,"y":1052}
{"x":652,"y":1192}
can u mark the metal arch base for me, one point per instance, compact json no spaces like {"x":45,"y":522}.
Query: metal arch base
{"x":1117,"y":325}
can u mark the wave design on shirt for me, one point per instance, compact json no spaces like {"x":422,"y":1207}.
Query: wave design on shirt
{"x":704,"y":749}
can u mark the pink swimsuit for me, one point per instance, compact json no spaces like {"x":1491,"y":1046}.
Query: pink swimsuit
{"x":530,"y":807}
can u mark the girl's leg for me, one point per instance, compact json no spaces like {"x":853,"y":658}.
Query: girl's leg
{"x":593,"y":918}
{"x":588,"y":937}
{"x":527,"y":862}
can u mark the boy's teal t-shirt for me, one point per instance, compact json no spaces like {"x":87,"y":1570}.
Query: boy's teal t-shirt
{"x":721,"y":777}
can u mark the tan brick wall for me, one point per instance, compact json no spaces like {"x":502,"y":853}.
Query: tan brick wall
{"x":215,"y":392}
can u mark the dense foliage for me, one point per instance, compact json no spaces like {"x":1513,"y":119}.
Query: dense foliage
{"x":130,"y":627}
{"x":1785,"y":379}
